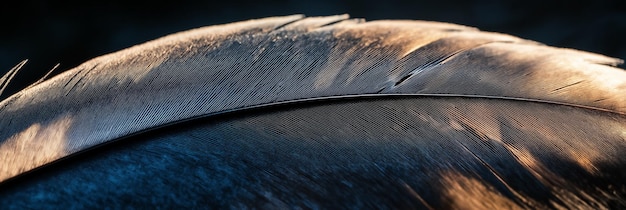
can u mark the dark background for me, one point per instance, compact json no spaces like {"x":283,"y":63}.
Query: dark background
{"x":69,"y":33}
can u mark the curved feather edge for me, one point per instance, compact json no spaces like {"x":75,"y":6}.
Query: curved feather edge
{"x":227,"y":67}
{"x":376,"y":151}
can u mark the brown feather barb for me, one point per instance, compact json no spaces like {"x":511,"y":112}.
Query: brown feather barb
{"x":427,"y":114}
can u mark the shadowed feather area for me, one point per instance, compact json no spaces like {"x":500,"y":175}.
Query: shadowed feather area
{"x":322,"y":112}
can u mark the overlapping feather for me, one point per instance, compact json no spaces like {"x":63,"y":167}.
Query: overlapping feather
{"x":503,"y":90}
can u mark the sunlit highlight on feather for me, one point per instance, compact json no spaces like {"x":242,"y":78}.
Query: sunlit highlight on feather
{"x":26,"y":150}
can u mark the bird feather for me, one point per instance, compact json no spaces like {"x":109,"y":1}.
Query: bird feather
{"x":418,"y":113}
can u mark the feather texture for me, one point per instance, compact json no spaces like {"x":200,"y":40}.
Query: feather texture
{"x":446,"y":107}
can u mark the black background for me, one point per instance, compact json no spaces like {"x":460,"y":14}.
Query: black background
{"x":69,"y":33}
